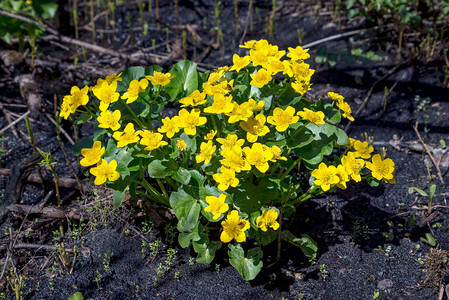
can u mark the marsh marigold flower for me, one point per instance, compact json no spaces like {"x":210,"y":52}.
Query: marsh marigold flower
{"x":221,"y":104}
{"x":261,"y":78}
{"x":105,"y":171}
{"x":170,"y":126}
{"x":92,"y":155}
{"x":181,"y":144}
{"x":343,"y":177}
{"x":381,"y":169}
{"x":276,"y":153}
{"x":240,"y":112}
{"x":335,"y":96}
{"x":217,"y":205}
{"x":134,"y":89}
{"x":234,"y":228}
{"x":282,"y":119}
{"x":255,"y":106}
{"x":159,"y":78}
{"x":362,"y":150}
{"x":316,"y":118}
{"x":194,"y":99}
{"x":301,"y":87}
{"x":258,"y":156}
{"x":206,"y":152}
{"x":106,"y":93}
{"x":226,"y":178}
{"x":249,"y":44}
{"x":234,"y":160}
{"x":353,"y":165}
{"x":255,"y":127}
{"x":346,"y":109}
{"x":258,"y":57}
{"x":190,"y":120}
{"x":239,"y":62}
{"x":76,"y":98}
{"x":152,"y":140}
{"x":298,"y":53}
{"x":109,"y":120}
{"x":210,"y":136}
{"x":268,"y":219}
{"x":230,"y":141}
{"x":128,"y":136}
{"x":325,"y":176}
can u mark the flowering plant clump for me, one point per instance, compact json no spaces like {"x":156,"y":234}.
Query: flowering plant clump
{"x":243,"y":148}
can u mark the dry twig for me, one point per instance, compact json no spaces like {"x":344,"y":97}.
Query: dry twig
{"x":437,"y":166}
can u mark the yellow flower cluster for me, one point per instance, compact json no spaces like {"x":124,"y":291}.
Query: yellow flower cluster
{"x":352,"y":165}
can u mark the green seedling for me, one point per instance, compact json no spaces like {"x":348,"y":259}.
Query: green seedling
{"x":429,"y":195}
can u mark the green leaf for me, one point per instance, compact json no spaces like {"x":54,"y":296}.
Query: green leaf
{"x":160,"y":168}
{"x":130,"y":74}
{"x":123,"y":158}
{"x":432,"y":189}
{"x":185,"y":237}
{"x":246,"y":197}
{"x":196,"y":181}
{"x":45,"y":8}
{"x":118,"y":196}
{"x":182,"y":176}
{"x":206,"y":250}
{"x":83,"y":118}
{"x":76,"y":296}
{"x":429,"y":239}
{"x":307,"y":245}
{"x":413,"y":189}
{"x":186,"y":208}
{"x":186,"y":80}
{"x":98,"y":132}
{"x":248,"y":266}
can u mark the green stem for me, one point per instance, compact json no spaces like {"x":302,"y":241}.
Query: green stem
{"x":157,"y":196}
{"x":164,"y":191}
{"x":283,"y":175}
{"x":138,"y":121}
{"x":306,"y":196}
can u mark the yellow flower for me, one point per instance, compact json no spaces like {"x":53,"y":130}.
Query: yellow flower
{"x":210,"y":135}
{"x":353,"y":166}
{"x":258,"y":57}
{"x":346,"y":109}
{"x":239,"y":62}
{"x":234,"y":160}
{"x":225,"y":179}
{"x":230,"y":141}
{"x":274,"y":66}
{"x":248,"y":44}
{"x":76,"y":98}
{"x":255,"y":106}
{"x":298,"y":53}
{"x":282,"y":119}
{"x":109,"y":120}
{"x":159,"y":78}
{"x":223,"y":87}
{"x":258,"y":156}
{"x":363,"y":150}
{"x":343,"y":177}
{"x":127,"y":136}
{"x":135,"y":88}
{"x":301,"y":87}
{"x":381,"y":169}
{"x":105,"y":171}
{"x":92,"y":155}
{"x":316,"y":118}
{"x":268,"y":219}
{"x":220,"y":105}
{"x":325,"y":176}
{"x":189,"y":121}
{"x":181,"y":144}
{"x":106,"y":93}
{"x":206,"y":152}
{"x":234,"y":228}
{"x":110,"y":79}
{"x":152,"y":140}
{"x":351,"y":143}
{"x":217,"y":206}
{"x":214,"y":77}
{"x":335,"y":96}
{"x":255,"y":127}
{"x":276,"y":153}
{"x":261,"y":78}
{"x":240,"y":112}
{"x":170,"y":126}
{"x":194,"y":99}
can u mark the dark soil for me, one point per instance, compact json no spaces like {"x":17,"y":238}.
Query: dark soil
{"x":366,"y":241}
